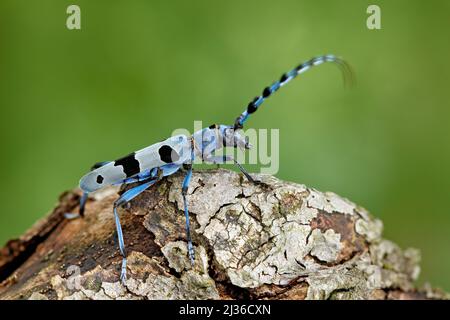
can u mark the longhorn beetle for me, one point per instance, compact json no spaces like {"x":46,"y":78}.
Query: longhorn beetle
{"x":147,"y":166}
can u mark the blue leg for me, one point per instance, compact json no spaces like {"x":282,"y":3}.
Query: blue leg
{"x":83,"y":200}
{"x":246,"y":174}
{"x":154,"y":173}
{"x":225,"y":159}
{"x":139,"y":178}
{"x":145,"y":175}
{"x":84,"y":197}
{"x":187,"y":180}
{"x":124,"y":198}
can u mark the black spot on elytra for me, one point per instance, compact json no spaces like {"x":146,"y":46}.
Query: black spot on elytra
{"x":129,"y":163}
{"x":99,"y":179}
{"x":167,"y":154}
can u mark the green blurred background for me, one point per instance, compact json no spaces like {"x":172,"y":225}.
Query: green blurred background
{"x":139,"y":69}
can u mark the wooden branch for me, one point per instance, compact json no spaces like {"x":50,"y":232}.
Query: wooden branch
{"x":280,"y":240}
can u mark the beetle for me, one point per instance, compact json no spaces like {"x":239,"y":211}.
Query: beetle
{"x":149,"y":165}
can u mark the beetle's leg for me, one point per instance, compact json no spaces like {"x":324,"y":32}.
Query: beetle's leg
{"x":145,"y":175}
{"x":84,"y":197}
{"x":246,"y":174}
{"x":225,"y":159}
{"x":139,"y":178}
{"x":83,"y":200}
{"x":80,"y":213}
{"x":124,"y":198}
{"x":187,"y":180}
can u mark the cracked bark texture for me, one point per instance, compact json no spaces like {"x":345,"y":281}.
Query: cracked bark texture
{"x":280,"y":240}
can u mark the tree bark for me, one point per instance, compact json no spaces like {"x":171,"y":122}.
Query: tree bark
{"x":278,"y":240}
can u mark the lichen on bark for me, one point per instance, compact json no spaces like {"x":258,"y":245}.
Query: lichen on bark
{"x":277,"y":240}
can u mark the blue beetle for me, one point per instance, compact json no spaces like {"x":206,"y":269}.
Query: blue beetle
{"x":147,"y":166}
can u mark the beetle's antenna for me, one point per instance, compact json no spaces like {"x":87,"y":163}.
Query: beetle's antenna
{"x":285,"y":78}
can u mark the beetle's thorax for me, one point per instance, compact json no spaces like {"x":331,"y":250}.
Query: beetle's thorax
{"x":215,"y":137}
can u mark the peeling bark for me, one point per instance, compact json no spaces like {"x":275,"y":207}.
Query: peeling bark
{"x":279,"y":240}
